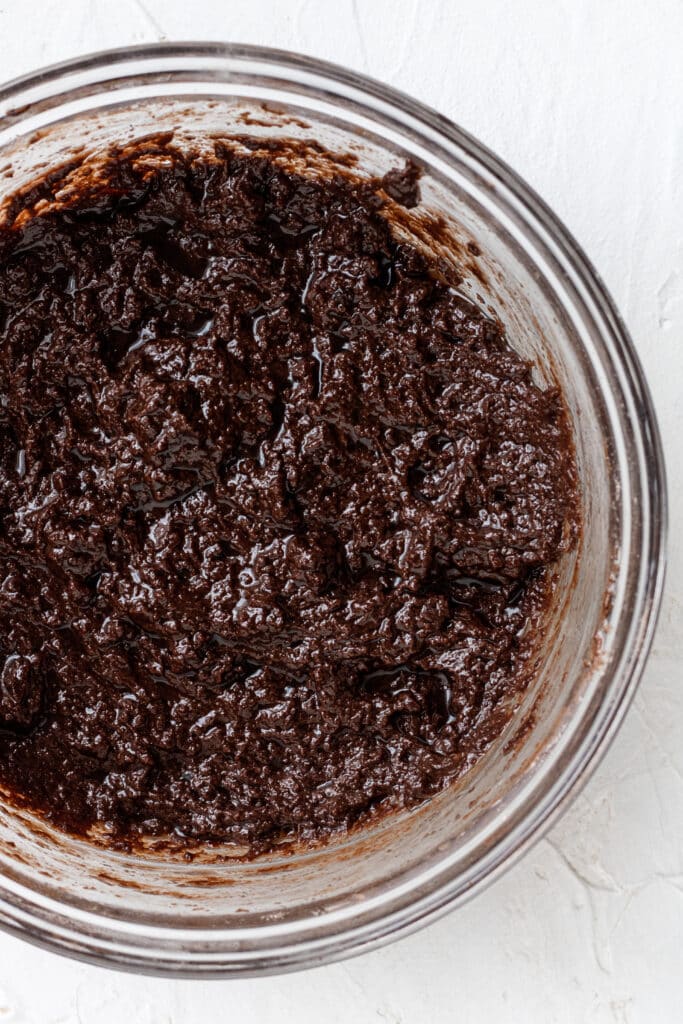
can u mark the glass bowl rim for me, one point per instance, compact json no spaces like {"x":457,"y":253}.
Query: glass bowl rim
{"x":168,"y":951}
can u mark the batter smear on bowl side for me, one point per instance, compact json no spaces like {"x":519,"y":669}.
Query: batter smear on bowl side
{"x":280,"y":507}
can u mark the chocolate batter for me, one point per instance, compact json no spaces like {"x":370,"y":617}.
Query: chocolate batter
{"x":279,"y":505}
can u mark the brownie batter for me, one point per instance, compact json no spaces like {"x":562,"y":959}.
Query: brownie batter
{"x":279,"y":505}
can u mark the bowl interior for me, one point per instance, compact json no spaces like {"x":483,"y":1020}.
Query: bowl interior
{"x":233,"y":911}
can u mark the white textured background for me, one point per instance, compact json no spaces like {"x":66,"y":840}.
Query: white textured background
{"x":585,"y":99}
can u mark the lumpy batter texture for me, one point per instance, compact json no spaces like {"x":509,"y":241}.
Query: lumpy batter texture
{"x":279,"y":505}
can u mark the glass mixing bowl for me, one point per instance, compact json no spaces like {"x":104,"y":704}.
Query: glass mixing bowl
{"x":157,"y":913}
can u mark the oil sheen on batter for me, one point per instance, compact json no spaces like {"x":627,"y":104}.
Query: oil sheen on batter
{"x":280,"y":507}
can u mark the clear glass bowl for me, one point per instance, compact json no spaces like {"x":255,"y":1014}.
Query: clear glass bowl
{"x":159,"y":914}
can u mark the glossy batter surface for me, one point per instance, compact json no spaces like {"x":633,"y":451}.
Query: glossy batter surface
{"x":279,"y":506}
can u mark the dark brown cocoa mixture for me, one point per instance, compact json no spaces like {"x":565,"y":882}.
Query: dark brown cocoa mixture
{"x":278,"y":506}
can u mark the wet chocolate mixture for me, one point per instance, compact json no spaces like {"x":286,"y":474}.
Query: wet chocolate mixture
{"x":280,"y":507}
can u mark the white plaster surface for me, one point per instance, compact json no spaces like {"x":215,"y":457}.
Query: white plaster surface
{"x":585,"y":99}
